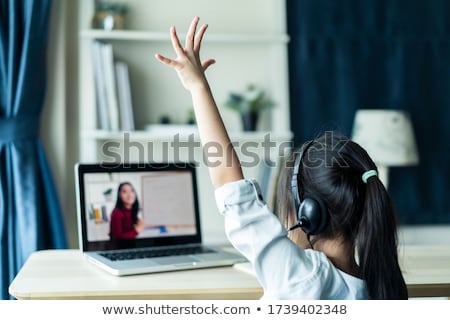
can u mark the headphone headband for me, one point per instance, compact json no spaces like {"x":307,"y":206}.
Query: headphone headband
{"x":294,"y":181}
{"x":312,"y":214}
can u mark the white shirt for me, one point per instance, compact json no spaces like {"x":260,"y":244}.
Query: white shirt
{"x":284,"y":270}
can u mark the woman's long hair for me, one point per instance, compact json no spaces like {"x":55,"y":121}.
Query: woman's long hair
{"x":362,"y":213}
{"x":134,"y":207}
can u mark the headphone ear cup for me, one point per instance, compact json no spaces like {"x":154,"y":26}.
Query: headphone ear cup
{"x":312,"y":215}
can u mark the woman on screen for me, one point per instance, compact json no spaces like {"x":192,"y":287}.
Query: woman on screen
{"x":125,"y":223}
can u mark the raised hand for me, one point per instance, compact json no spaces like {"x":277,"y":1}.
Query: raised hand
{"x":188,"y":65}
{"x":191,"y":72}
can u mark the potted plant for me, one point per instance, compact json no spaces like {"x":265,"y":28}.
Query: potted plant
{"x":249,"y":104}
{"x":110,"y":15}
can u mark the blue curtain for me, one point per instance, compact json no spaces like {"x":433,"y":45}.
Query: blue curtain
{"x":388,"y":54}
{"x":30,"y":212}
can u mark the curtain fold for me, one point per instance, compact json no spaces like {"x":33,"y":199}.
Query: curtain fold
{"x":30,"y":212}
{"x":381,"y":54}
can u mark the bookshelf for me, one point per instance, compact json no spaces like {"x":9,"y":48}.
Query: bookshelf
{"x":249,"y":48}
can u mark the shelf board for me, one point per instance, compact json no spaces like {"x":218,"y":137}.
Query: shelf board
{"x":102,"y":135}
{"x":134,"y":35}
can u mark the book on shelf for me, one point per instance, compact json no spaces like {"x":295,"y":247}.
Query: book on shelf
{"x":100,"y":87}
{"x":105,"y":84}
{"x":124,"y":95}
{"x":110,"y":79}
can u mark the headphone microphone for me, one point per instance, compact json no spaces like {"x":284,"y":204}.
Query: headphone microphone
{"x":295,"y":226}
{"x":302,"y":223}
{"x":312,"y":214}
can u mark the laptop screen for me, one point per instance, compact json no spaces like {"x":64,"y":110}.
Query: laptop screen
{"x":136,"y":205}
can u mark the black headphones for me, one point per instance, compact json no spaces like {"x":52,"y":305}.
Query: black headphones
{"x":312,"y":214}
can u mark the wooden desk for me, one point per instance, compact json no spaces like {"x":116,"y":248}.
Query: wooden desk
{"x":65,"y":274}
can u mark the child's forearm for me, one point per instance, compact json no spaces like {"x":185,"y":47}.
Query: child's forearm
{"x":224,"y":165}
{"x":223,"y":162}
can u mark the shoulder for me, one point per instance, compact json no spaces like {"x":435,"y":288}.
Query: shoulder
{"x":337,"y":284}
{"x":318,"y":279}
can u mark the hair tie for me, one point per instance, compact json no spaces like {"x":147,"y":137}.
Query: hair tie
{"x":370,"y":173}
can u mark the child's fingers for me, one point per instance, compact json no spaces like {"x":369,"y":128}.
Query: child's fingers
{"x":199,"y":37}
{"x":164,"y":59}
{"x":191,"y":33}
{"x":207,"y":63}
{"x":176,"y":42}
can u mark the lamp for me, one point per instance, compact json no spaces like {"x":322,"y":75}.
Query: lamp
{"x":388,"y":138}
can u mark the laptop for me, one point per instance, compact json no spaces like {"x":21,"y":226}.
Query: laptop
{"x":167,"y":208}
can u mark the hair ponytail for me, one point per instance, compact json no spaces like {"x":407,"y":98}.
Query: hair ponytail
{"x":377,"y":245}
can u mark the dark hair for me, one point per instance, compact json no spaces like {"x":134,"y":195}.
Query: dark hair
{"x":361,"y":213}
{"x":134,"y":207}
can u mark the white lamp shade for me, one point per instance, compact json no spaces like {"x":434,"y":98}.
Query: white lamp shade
{"x":387,"y":136}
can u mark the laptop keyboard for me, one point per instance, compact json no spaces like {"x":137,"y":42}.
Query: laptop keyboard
{"x":153,"y":253}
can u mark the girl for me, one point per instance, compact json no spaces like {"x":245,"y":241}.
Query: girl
{"x":125,"y":223}
{"x":345,"y":246}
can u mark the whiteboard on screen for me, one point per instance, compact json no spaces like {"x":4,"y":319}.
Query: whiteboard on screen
{"x":168,"y":199}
